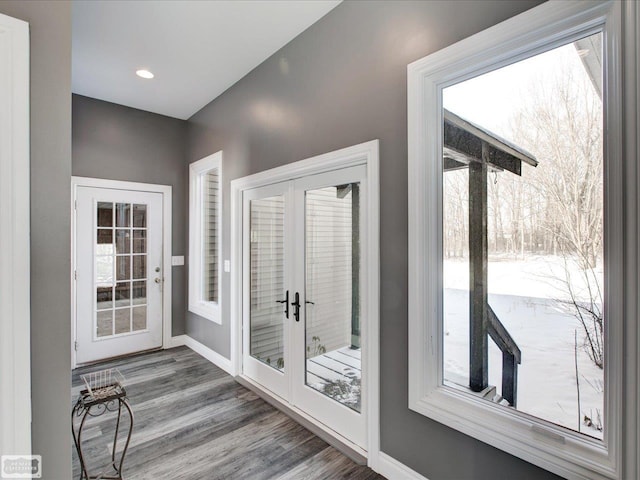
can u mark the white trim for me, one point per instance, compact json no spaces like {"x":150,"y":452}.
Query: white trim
{"x":177,"y":341}
{"x":211,"y":355}
{"x":534,"y":31}
{"x":630,"y":92}
{"x":205,"y":309}
{"x":392,"y":469}
{"x":362,"y":154}
{"x":15,"y":310}
{"x":166,"y":191}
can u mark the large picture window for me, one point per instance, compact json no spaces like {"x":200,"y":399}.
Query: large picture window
{"x":204,"y":237}
{"x":522,"y":218}
{"x":516,"y":332}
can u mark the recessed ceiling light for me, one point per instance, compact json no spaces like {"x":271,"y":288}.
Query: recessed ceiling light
{"x":144,"y":73}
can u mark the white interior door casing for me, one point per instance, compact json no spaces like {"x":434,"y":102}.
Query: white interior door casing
{"x":15,"y":374}
{"x":119,"y":272}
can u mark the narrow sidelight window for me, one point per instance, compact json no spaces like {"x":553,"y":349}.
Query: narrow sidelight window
{"x":204,"y":236}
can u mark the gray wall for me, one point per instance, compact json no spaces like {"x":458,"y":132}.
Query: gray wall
{"x":342,"y":82}
{"x":121,"y":143}
{"x":50,"y":26}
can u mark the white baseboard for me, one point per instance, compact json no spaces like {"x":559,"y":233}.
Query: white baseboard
{"x":394,"y":470}
{"x":178,"y":341}
{"x":214,"y":357}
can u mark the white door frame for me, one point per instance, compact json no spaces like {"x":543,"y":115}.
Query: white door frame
{"x":15,"y":310}
{"x":362,"y":154}
{"x":166,"y":191}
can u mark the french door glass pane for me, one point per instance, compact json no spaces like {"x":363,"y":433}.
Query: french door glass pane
{"x":332,"y":329}
{"x":123,"y":241}
{"x":113,"y":257}
{"x":139,"y":295}
{"x":267,"y":280}
{"x":140,"y":266}
{"x":104,"y":323}
{"x":105,"y":214}
{"x":139,"y":216}
{"x":139,"y":241}
{"x":123,"y":294}
{"x":123,"y":214}
{"x":123,"y":267}
{"x":104,"y":298}
{"x":139,"y":318}
{"x":123,"y":320}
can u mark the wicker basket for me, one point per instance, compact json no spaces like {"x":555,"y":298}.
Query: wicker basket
{"x":103,"y":383}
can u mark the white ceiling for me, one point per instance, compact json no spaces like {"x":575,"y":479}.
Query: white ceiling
{"x":196,"y":49}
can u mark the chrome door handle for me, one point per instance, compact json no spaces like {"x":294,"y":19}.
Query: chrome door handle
{"x":158,"y":280}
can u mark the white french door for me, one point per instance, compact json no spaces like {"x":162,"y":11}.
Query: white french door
{"x":118,"y":272}
{"x":302,"y":295}
{"x":266,"y":290}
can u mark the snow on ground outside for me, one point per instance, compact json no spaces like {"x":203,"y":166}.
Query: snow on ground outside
{"x":523,"y":296}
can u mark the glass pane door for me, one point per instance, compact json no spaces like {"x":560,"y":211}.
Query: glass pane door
{"x":121,"y":268}
{"x":267,"y":291}
{"x":332,"y":292}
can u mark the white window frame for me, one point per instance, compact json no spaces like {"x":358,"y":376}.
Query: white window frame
{"x":199,"y":306}
{"x":540,"y":442}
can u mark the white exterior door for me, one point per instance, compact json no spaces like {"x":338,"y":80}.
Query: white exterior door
{"x":302,"y":293}
{"x":118,"y":272}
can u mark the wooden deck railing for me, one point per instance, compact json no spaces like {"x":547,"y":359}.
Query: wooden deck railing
{"x":511,"y":356}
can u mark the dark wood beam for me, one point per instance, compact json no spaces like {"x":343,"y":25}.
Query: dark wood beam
{"x":478,"y":265}
{"x":462,"y":146}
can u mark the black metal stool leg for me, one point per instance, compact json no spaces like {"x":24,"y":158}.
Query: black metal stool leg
{"x":123,"y":401}
{"x":77,"y":438}
{"x":115,"y":440}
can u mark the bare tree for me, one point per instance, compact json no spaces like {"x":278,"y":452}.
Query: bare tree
{"x":563,"y":127}
{"x":455,"y":210}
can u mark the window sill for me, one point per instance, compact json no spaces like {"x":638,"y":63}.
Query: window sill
{"x":207,"y":310}
{"x":544,"y":444}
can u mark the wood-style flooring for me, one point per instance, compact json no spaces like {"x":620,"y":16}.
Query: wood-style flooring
{"x":193,"y":421}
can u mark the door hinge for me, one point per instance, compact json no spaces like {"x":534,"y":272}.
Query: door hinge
{"x":75,"y":204}
{"x":75,"y":346}
{"x":75,"y":274}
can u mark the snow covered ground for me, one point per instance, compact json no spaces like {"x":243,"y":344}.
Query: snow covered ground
{"x":523,"y":295}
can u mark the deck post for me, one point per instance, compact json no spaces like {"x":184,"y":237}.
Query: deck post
{"x":509,"y":378}
{"x":478,"y":265}
{"x":355,"y":265}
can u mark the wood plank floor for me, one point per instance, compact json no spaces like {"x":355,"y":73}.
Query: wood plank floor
{"x":193,"y":421}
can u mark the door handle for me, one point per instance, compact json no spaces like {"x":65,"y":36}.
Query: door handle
{"x":286,"y":304}
{"x":296,"y":305}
